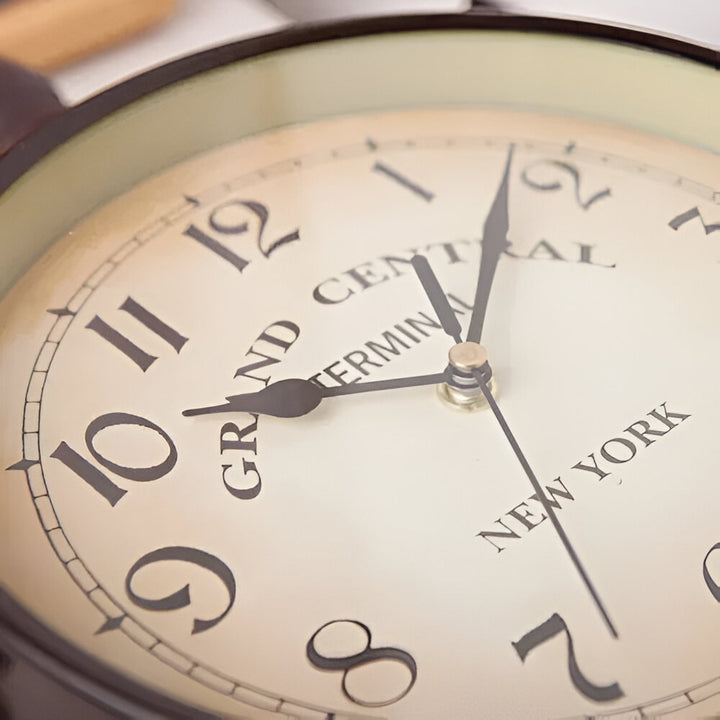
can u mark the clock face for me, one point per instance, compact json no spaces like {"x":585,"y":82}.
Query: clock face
{"x":386,"y":554}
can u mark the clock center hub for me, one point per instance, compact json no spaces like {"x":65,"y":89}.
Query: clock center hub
{"x":462,"y":391}
{"x":467,"y":356}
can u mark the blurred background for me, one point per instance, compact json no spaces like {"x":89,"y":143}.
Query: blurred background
{"x":86,"y":45}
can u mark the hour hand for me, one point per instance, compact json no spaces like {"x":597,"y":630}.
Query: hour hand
{"x":295,"y":397}
{"x":286,"y":398}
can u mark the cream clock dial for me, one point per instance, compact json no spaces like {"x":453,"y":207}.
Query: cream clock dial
{"x":372,"y":408}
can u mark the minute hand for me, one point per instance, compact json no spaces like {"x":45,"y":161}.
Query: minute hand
{"x":494,"y":242}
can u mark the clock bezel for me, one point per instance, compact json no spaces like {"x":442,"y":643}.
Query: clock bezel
{"x":22,"y":633}
{"x":78,"y":118}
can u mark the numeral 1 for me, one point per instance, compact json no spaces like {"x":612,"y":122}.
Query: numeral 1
{"x":152,"y":322}
{"x":95,"y":478}
{"x":397,"y":177}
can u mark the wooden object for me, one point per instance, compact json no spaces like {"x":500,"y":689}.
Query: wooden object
{"x":27,"y":102}
{"x":46,"y":34}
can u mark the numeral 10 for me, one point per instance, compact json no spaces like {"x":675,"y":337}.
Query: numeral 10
{"x":95,"y":477}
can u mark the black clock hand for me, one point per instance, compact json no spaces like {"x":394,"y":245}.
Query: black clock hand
{"x":294,"y":397}
{"x":286,"y":398}
{"x":550,"y":512}
{"x":393,"y":384}
{"x":438,"y":299}
{"x":440,"y":303}
{"x":494,"y":241}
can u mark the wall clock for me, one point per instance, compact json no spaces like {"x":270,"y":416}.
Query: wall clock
{"x":369,"y":370}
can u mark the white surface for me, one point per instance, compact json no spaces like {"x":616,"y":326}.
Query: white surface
{"x":698,"y":20}
{"x":196,"y":25}
{"x":319,"y":9}
{"x":200,"y":24}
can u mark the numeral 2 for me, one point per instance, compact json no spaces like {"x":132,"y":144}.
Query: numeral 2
{"x":552,"y":185}
{"x":141,"y":358}
{"x":678,"y":221}
{"x":553,"y":626}
{"x":97,"y":479}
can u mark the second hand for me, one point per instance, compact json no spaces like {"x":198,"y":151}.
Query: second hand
{"x":543,"y":500}
{"x":449,"y":323}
